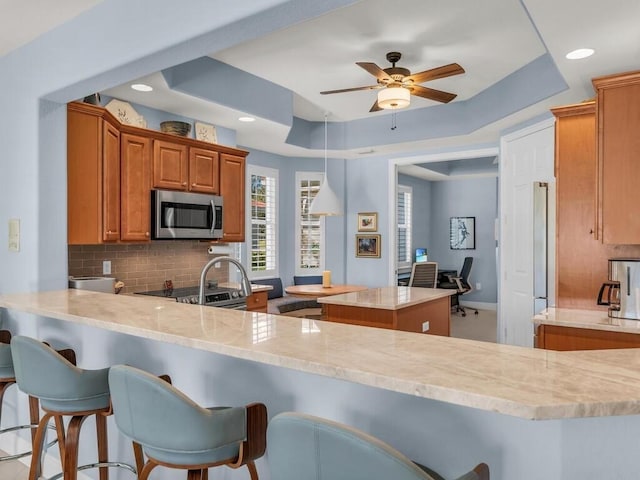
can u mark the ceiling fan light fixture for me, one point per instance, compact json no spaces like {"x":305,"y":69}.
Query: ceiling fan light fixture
{"x":394,"y":98}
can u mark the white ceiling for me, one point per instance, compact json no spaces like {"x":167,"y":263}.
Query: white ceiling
{"x":490,"y":39}
{"x":22,"y":21}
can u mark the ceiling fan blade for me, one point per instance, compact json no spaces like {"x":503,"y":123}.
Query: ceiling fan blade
{"x":355,"y":89}
{"x":375,"y":107}
{"x":435,"y":73}
{"x":375,"y":70}
{"x":431,"y":94}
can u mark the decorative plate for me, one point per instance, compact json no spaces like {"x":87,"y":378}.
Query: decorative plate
{"x":124,"y":112}
{"x":206,"y":132}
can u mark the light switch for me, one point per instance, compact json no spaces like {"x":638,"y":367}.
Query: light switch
{"x":106,"y":267}
{"x":14,"y":235}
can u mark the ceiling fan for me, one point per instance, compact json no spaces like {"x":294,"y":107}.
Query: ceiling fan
{"x":397,"y":84}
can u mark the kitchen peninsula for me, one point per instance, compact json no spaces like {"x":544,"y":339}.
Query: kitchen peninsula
{"x":422,"y":393}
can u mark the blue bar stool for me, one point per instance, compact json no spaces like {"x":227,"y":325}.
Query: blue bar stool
{"x":303,"y":447}
{"x":175,"y":432}
{"x":64,"y":390}
{"x":8,"y":378}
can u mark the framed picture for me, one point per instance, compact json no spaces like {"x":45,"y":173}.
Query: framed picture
{"x":368,"y":246}
{"x":206,"y":132}
{"x":462,"y":233}
{"x":367,"y":222}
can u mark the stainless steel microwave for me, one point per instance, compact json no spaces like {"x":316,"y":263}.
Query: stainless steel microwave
{"x":182,"y":215}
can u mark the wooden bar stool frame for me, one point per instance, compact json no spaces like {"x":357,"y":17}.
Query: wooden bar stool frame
{"x":69,"y":440}
{"x":34,"y":410}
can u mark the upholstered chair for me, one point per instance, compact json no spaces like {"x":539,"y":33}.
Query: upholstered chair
{"x":176,"y":432}
{"x":303,"y":447}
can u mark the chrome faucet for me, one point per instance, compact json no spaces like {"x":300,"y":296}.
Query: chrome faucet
{"x":245,"y":284}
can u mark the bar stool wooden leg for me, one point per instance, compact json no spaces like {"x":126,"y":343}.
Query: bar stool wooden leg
{"x":34,"y":415}
{"x":146,"y":471}
{"x":103,"y":451}
{"x":70,"y":468}
{"x":253,"y":471}
{"x":139,"y":456}
{"x":61,"y":437}
{"x":38,"y":446}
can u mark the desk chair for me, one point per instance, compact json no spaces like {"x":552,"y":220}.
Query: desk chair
{"x":424,"y":274}
{"x":303,"y":447}
{"x":462,"y":285}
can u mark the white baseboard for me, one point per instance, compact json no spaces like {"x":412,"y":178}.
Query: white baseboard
{"x":11,"y":443}
{"x":481,"y":305}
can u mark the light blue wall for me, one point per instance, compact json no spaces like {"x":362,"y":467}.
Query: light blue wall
{"x":467,"y":198}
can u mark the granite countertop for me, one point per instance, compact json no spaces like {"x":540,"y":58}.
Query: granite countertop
{"x":388,"y":298}
{"x":589,"y":319}
{"x":522,"y":382}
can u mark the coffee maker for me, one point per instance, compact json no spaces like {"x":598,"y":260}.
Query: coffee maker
{"x":623,"y":288}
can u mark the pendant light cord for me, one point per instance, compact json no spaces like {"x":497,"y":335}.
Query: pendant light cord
{"x":325,"y":145}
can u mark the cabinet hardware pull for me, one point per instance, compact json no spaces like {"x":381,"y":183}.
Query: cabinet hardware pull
{"x":146,"y":234}
{"x":184,"y":184}
{"x":193,"y":184}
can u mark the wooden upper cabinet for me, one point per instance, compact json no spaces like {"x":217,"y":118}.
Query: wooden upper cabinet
{"x":232,"y":185}
{"x":618,"y":148}
{"x":204,"y":170}
{"x":170,"y":166}
{"x":111,"y":169}
{"x":577,"y":280}
{"x":135,"y":171}
{"x":93,"y":176}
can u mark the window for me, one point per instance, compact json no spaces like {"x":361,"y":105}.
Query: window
{"x":309,"y":228}
{"x":403,"y":214}
{"x":263,"y":207}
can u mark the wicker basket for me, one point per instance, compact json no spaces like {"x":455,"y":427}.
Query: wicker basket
{"x":181,"y":129}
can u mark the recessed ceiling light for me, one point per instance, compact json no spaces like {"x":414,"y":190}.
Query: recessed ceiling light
{"x":580,"y":53}
{"x":247,"y":119}
{"x":141,"y":87}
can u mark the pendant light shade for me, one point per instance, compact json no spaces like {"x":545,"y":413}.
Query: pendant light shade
{"x":325,"y":202}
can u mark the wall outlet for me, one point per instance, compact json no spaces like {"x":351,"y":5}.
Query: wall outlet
{"x":478,"y":286}
{"x":425,"y":326}
{"x":106,"y":267}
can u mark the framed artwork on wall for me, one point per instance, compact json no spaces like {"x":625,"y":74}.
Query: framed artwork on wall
{"x":368,"y":222}
{"x":462,"y":233}
{"x":368,"y":246}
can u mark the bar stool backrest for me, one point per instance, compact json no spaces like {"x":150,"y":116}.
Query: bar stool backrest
{"x":303,"y":447}
{"x":155,"y":414}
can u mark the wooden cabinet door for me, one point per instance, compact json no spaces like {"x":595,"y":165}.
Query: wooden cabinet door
{"x":135,"y":166}
{"x":204,"y":171}
{"x":577,"y":280}
{"x":232,"y":184}
{"x":169,"y":165}
{"x":110,"y":183}
{"x":93,"y":177}
{"x":618,"y":110}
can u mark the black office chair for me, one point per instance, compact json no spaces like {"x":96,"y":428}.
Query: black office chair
{"x":461,"y":284}
{"x":424,"y":274}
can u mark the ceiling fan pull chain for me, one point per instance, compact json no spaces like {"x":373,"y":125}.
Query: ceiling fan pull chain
{"x":393,"y":121}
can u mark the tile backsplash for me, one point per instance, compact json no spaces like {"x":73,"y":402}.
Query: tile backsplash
{"x":144,"y":267}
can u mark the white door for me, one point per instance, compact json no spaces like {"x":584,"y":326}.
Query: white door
{"x":526,"y":156}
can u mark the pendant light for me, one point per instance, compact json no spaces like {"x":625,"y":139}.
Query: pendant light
{"x":325,"y":202}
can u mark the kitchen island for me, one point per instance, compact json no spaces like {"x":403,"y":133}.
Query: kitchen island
{"x":411,"y":309}
{"x":446,"y":402}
